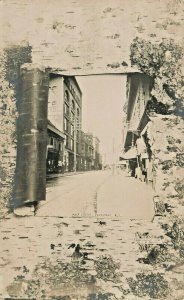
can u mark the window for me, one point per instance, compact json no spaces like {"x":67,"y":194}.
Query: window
{"x":72,"y":130}
{"x":51,"y":141}
{"x":72,"y":144}
{"x":73,"y":105}
{"x":66,"y":141}
{"x":65,"y":124}
{"x":77,"y":134}
{"x":72,"y":117}
{"x":66,"y":109}
{"x":66,"y":96}
{"x":78,"y":112}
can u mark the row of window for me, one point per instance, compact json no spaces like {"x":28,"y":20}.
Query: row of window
{"x":69,"y":128}
{"x":72,"y":90}
{"x":69,"y":143}
{"x":67,"y":102}
{"x":58,"y":145}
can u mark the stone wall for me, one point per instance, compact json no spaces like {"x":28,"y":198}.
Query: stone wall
{"x":11,"y":59}
{"x":166,"y":138}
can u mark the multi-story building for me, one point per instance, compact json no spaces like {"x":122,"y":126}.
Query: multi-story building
{"x":65,"y":113}
{"x":83,"y":162}
{"x":89,"y":151}
{"x":136,"y":152}
{"x":90,"y":155}
{"x":69,"y":149}
{"x":72,"y":123}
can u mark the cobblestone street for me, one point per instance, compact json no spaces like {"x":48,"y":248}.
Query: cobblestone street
{"x":98,"y":193}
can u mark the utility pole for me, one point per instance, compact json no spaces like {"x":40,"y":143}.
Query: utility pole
{"x":77,"y":126}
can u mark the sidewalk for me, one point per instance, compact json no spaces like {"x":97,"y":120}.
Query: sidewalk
{"x":125,"y":196}
{"x":57,"y":175}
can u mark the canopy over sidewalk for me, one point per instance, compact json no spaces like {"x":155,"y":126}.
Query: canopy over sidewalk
{"x":130,"y":154}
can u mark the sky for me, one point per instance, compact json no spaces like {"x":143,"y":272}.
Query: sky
{"x":103,"y":99}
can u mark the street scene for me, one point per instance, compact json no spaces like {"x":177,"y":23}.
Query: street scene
{"x":91,"y":150}
{"x":98,"y":193}
{"x":99,"y":200}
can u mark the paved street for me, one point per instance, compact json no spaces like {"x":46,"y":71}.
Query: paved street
{"x":98,"y":193}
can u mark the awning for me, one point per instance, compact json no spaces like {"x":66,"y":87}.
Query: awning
{"x":130,"y":154}
{"x":121,"y":162}
{"x":141,"y":147}
{"x":53,"y":128}
{"x":144,"y":155}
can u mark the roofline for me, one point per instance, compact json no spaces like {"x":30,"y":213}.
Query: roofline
{"x":63,"y":75}
{"x":121,"y":71}
{"x":77,"y":84}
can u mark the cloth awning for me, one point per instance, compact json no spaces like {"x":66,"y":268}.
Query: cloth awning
{"x":144,"y":155}
{"x":141,"y":147}
{"x":130,"y":154}
{"x":122,"y":162}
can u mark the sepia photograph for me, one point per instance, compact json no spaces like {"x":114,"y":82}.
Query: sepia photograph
{"x":91,"y":149}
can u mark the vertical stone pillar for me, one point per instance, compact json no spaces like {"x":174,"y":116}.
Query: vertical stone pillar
{"x":30,"y":181}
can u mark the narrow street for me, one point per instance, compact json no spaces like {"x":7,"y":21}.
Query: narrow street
{"x":98,"y":193}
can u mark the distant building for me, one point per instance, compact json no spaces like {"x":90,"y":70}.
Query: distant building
{"x":96,"y":155}
{"x":136,"y":151}
{"x":89,"y":151}
{"x":90,"y":156}
{"x":83,"y":162}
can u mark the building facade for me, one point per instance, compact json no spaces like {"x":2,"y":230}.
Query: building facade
{"x":90,"y":154}
{"x":135,"y":147}
{"x":72,"y":123}
{"x":65,"y":114}
{"x":69,"y":148}
{"x":96,"y":155}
